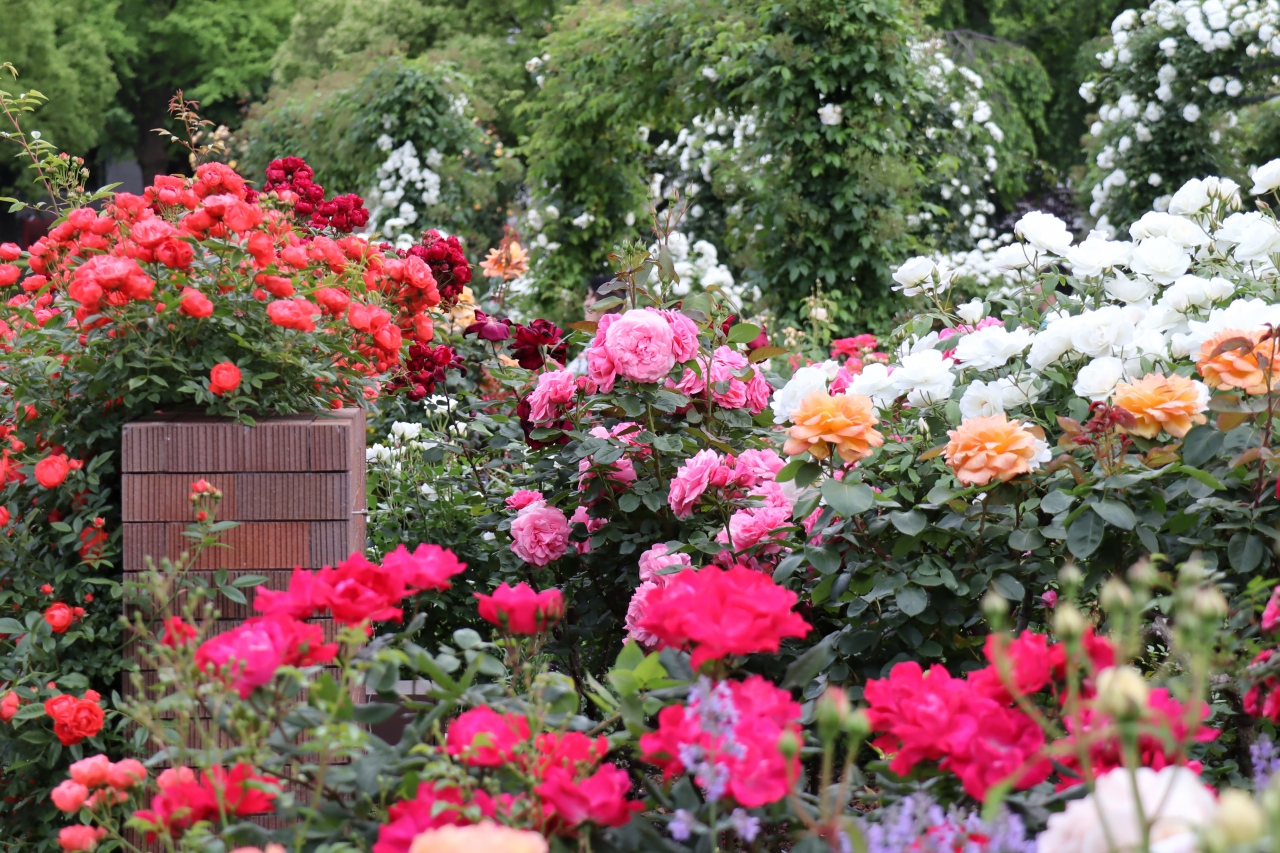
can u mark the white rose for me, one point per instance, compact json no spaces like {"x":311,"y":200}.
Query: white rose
{"x":1174,"y":802}
{"x":914,"y":271}
{"x":1149,"y":344}
{"x":1130,"y":290}
{"x":875,"y":382}
{"x":1161,"y":259}
{"x":1233,"y":228}
{"x":1266,"y":178}
{"x":992,"y":347}
{"x":926,"y":377}
{"x":1191,"y":291}
{"x":802,"y":383}
{"x":1192,"y":197}
{"x":1257,"y":242}
{"x":1180,"y":230}
{"x":1101,"y":332}
{"x":982,"y":399}
{"x":1051,"y":344}
{"x":1245,"y":314}
{"x":1018,"y":392}
{"x":971,"y":312}
{"x":1045,"y":231}
{"x":1097,"y":379}
{"x":1097,"y":254}
{"x":1014,"y":256}
{"x":915,"y":344}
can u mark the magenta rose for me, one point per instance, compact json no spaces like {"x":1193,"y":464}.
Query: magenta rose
{"x":539,"y":534}
{"x":640,"y":345}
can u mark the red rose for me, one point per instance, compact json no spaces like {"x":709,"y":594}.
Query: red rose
{"x":91,"y":543}
{"x":224,"y":377}
{"x":75,"y":719}
{"x":484,"y":738}
{"x":52,"y":470}
{"x":600,"y":798}
{"x":59,"y":616}
{"x":195,"y":304}
{"x":177,"y":633}
{"x":521,"y":610}
{"x":9,"y":706}
{"x":4,"y":516}
{"x":80,"y":838}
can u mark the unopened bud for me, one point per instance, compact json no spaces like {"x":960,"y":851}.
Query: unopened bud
{"x":857,"y":724}
{"x":1067,"y":621}
{"x":1115,"y":596}
{"x":1192,"y":571}
{"x":833,"y":708}
{"x":1143,"y":572}
{"x":788,"y":744}
{"x":1070,"y":575}
{"x":1239,"y":821}
{"x":1209,"y":603}
{"x":994,"y":606}
{"x":1122,"y":692}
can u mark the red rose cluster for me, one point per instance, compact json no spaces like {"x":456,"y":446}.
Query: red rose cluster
{"x":449,"y":266}
{"x":75,"y":719}
{"x":972,"y":727}
{"x":187,"y":797}
{"x":716,"y":613}
{"x":292,"y":178}
{"x":570,"y":786}
{"x":61,"y":617}
{"x":356,"y":592}
{"x":519,"y":610}
{"x":425,"y":367}
{"x":731,"y":731}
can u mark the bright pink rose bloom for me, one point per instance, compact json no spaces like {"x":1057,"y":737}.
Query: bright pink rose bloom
{"x":92,"y":771}
{"x":555,"y":389}
{"x":636,"y":611}
{"x":251,"y":653}
{"x":482,"y":737}
{"x":691,"y":480}
{"x":750,"y":527}
{"x":658,"y":558}
{"x":307,"y":595}
{"x":760,"y":465}
{"x":539,"y":534}
{"x":744,"y":385}
{"x":600,"y":798}
{"x":684,"y":336}
{"x":719,"y":613}
{"x":582,"y":516}
{"x":409,"y":818}
{"x":640,"y":345}
{"x":523,"y":498}
{"x":520,"y":610}
{"x":600,"y":369}
{"x":126,"y":773}
{"x":1271,"y":613}
{"x":989,"y":743}
{"x":429,"y":567}
{"x":69,"y":796}
{"x":80,"y":838}
{"x":360,"y":591}
{"x":915,"y":710}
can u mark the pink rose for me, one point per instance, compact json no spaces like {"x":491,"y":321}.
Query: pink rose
{"x":523,"y":498}
{"x":581,"y":516}
{"x":744,"y":385}
{"x":635,"y":613}
{"x":691,"y":480}
{"x":657,"y":558}
{"x":684,"y":335}
{"x":750,"y":527}
{"x":539,"y":534}
{"x":600,"y":369}
{"x":555,"y":388}
{"x":623,"y":472}
{"x":759,"y":465}
{"x":773,"y":493}
{"x":640,"y":345}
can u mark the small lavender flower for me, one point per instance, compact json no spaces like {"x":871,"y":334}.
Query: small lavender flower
{"x":1265,"y":758}
{"x":681,"y":826}
{"x":745,"y":825}
{"x":918,"y":825}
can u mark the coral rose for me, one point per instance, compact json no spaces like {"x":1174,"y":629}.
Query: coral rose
{"x":52,"y":470}
{"x":9,"y":706}
{"x":1243,"y":367}
{"x":539,"y":534}
{"x":483,"y":837}
{"x":69,"y":796}
{"x":224,"y":377}
{"x":80,"y":838}
{"x":1172,"y":403}
{"x":126,"y":773}
{"x":91,"y":772}
{"x":59,"y":616}
{"x":640,"y":345}
{"x":845,"y":422}
{"x":993,"y":448}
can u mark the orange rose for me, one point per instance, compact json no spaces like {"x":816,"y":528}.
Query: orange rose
{"x":994,"y":448}
{"x":846,"y":422}
{"x":1172,"y":403}
{"x":1243,"y":368}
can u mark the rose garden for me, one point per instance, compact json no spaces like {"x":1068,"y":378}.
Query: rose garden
{"x":676,"y":426}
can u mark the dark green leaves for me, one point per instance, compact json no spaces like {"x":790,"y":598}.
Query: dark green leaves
{"x":1085,"y":534}
{"x":848,"y":499}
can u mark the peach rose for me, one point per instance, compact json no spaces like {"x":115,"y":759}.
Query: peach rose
{"x":1172,"y":403}
{"x":995,"y":448}
{"x":1239,"y":368}
{"x":822,"y":421}
{"x":483,"y":837}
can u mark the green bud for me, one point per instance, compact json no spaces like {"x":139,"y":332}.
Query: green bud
{"x":1070,"y":576}
{"x":1144,"y":573}
{"x":857,"y":724}
{"x":833,"y":708}
{"x":994,"y":606}
{"x":1067,"y":621}
{"x":788,"y":744}
{"x":1209,"y":603}
{"x":1116,"y":596}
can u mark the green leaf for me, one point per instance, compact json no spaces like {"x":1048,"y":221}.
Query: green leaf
{"x":912,"y":600}
{"x":805,"y":668}
{"x":373,"y":713}
{"x":788,"y":472}
{"x":848,"y":499}
{"x":629,"y":502}
{"x":11,"y":626}
{"x":1085,"y":534}
{"x":1202,"y":476}
{"x":825,"y":559}
{"x":807,"y":474}
{"x":1245,"y":551}
{"x":466,"y":638}
{"x":909,"y":523}
{"x":1115,"y":513}
{"x":1025,"y":540}
{"x":1200,"y":445}
{"x":743,"y":333}
{"x":1008,"y":586}
{"x":1057,"y":501}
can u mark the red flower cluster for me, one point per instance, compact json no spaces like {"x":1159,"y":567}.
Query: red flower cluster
{"x":249,"y":655}
{"x":437,"y":804}
{"x":733,"y":730}
{"x":75,"y":719}
{"x":520,"y":610}
{"x":531,"y":345}
{"x":973,"y":729}
{"x":425,"y":367}
{"x":292,"y":178}
{"x":722,"y":612}
{"x":186,"y":798}
{"x":61,"y":617}
{"x":448,"y":265}
{"x":486,"y":328}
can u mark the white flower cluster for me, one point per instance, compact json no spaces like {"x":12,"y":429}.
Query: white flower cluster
{"x":404,"y":186}
{"x":698,"y":262}
{"x":1155,"y":78}
{"x":960,"y":127}
{"x":1144,"y":304}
